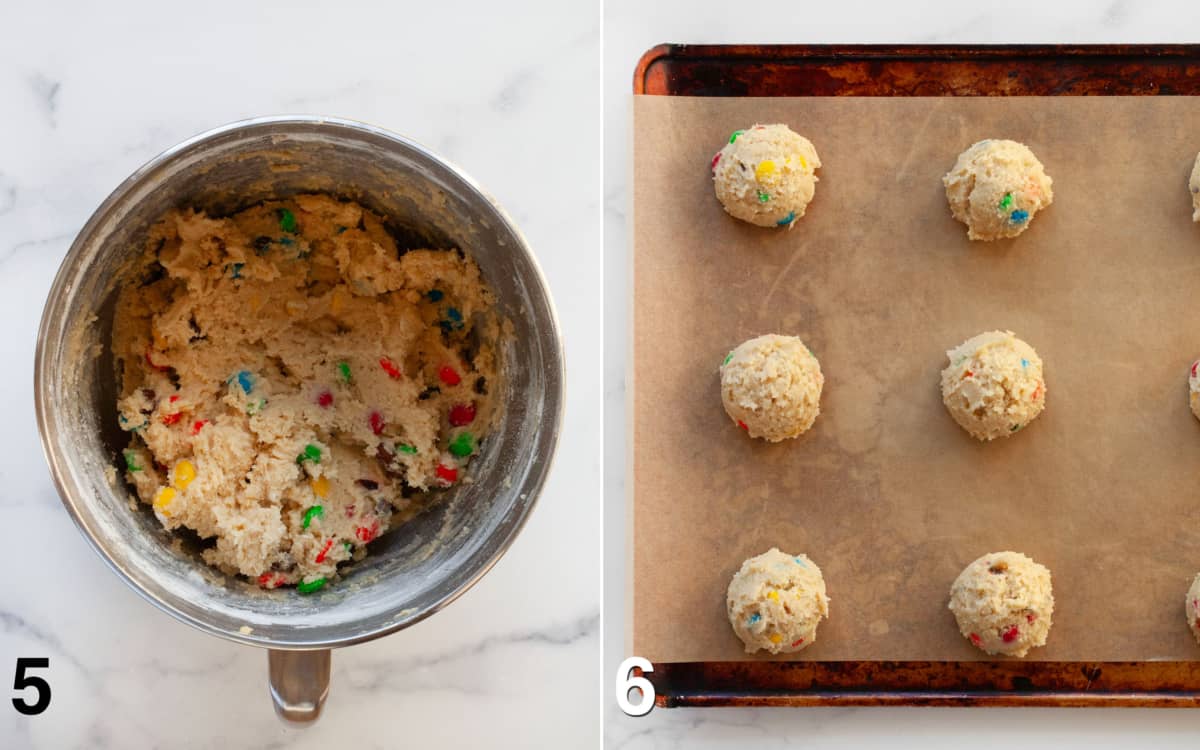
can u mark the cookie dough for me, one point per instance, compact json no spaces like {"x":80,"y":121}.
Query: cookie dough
{"x":1003,"y":603}
{"x":293,"y":382}
{"x":1191,"y":608}
{"x":771,"y":387}
{"x":766,"y":175}
{"x":1194,"y":388}
{"x":1194,"y":189}
{"x":776,"y":601}
{"x":993,"y":385}
{"x":996,"y":187}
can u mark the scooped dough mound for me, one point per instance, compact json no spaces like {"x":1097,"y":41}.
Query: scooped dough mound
{"x":1194,"y":189}
{"x":292,"y":382}
{"x":996,"y":187}
{"x":776,"y":601}
{"x":771,"y":387}
{"x":1191,"y":608}
{"x":1003,"y":603}
{"x":1194,"y":388}
{"x":766,"y":175}
{"x":993,"y":385}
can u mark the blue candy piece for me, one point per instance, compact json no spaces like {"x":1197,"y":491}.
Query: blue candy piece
{"x":1019,"y":216}
{"x":1024,"y":362}
{"x":754,"y":618}
{"x":246,"y":381}
{"x":787,"y":219}
{"x":435,"y":295}
{"x":800,"y":562}
{"x":237,"y":270}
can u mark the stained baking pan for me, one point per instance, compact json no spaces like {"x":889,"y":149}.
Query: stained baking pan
{"x":961,"y":679}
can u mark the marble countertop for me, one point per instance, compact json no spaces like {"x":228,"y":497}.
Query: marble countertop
{"x":91,"y":91}
{"x":631,"y":27}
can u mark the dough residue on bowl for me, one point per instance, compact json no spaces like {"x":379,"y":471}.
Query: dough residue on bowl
{"x":294,"y":382}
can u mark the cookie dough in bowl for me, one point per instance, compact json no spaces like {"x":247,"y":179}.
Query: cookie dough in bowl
{"x":766,"y":175}
{"x":294,"y":383}
{"x":996,"y":187}
{"x":993,"y":385}
{"x":771,"y":387}
{"x":1003,"y":603}
{"x":776,"y":601}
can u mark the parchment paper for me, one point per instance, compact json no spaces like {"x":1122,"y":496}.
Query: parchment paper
{"x":886,"y":493}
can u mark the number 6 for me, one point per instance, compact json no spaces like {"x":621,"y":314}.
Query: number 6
{"x":625,"y":683}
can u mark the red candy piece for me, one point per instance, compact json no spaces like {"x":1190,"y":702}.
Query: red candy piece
{"x":797,"y":642}
{"x":742,"y":425}
{"x":446,"y":474}
{"x":172,"y":399}
{"x":325,"y":399}
{"x":449,"y":375}
{"x":198,"y":425}
{"x":975,"y":639}
{"x":1194,"y":366}
{"x":390,"y":368}
{"x":1029,"y":618}
{"x":462,"y":414}
{"x":376,"y":422}
{"x":324,"y":551}
{"x":1010,"y":634}
{"x":270,"y":580}
{"x":716,"y":159}
{"x":366,"y":534}
{"x":171,"y":419}
{"x":350,"y":511}
{"x":150,"y":362}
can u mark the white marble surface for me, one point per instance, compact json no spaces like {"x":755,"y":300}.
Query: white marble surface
{"x":88,"y":92}
{"x":630,"y":28}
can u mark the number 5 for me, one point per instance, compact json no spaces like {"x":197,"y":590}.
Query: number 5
{"x":22,"y":681}
{"x":625,"y":683}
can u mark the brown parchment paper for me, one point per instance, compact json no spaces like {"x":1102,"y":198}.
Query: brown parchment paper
{"x":886,"y":493}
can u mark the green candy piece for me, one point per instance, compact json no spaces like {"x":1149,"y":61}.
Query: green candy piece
{"x":728,"y":357}
{"x":313,"y":512}
{"x":349,"y":547}
{"x":406,"y":448}
{"x":308,"y":587}
{"x":763,"y":197}
{"x":254,"y":407}
{"x":1006,"y":202}
{"x":735,"y":135}
{"x":344,"y":370}
{"x":463,"y":444}
{"x":311,"y":453}
{"x":131,"y":461}
{"x":287,"y":220}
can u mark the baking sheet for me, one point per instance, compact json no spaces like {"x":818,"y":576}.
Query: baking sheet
{"x":886,"y":493}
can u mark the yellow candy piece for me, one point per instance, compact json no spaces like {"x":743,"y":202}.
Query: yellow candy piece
{"x":803,"y":163}
{"x":764,"y":169}
{"x":184,"y":474}
{"x":320,"y":487}
{"x":773,"y":595}
{"x":776,"y":637}
{"x":163,"y":500}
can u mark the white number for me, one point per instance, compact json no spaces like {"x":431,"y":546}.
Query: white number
{"x":625,"y":683}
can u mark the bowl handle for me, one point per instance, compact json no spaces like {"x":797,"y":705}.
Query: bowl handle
{"x":299,"y":683}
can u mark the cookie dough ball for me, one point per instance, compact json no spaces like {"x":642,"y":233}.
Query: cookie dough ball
{"x":1191,"y":608}
{"x":1194,"y":188}
{"x":766,"y":175}
{"x":771,"y":387}
{"x":996,"y":187}
{"x":993,"y":385}
{"x":775,"y":602}
{"x":1003,"y":603}
{"x":1194,"y":388}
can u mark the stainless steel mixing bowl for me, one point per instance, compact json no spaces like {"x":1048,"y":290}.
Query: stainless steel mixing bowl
{"x":411,"y":572}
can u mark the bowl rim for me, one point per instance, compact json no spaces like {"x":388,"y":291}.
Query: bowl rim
{"x":51,"y":449}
